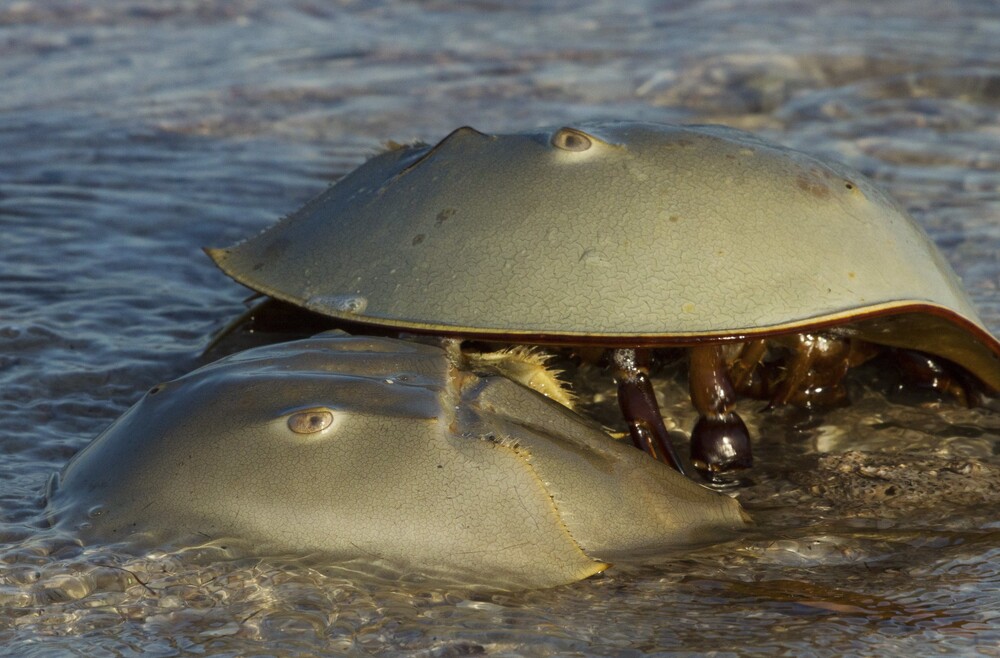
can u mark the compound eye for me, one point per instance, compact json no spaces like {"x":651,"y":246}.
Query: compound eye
{"x":570,"y":139}
{"x":310,"y":421}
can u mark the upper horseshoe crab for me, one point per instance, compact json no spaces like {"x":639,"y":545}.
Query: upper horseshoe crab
{"x":631,"y":236}
{"x":285,"y":448}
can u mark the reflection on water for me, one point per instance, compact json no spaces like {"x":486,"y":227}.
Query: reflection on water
{"x":134,"y":133}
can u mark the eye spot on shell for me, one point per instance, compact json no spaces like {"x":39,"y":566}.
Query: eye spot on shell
{"x":417,"y":239}
{"x":568,"y":139}
{"x":310,"y":421}
{"x":854,"y":189}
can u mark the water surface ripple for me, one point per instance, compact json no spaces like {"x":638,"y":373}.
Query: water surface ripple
{"x":135,"y":132}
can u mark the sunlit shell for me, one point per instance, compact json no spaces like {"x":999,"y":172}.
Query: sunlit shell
{"x":617,"y":233}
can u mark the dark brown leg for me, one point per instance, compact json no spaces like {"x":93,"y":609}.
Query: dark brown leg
{"x":814,"y":373}
{"x":938,"y":374}
{"x":743,"y":370}
{"x":747,"y":371}
{"x":799,"y":366}
{"x":638,"y":404}
{"x":720,"y":441}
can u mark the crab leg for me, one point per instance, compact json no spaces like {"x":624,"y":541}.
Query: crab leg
{"x":638,"y":404}
{"x":815,"y":372}
{"x":743,"y":368}
{"x":938,"y":374}
{"x":797,"y":371}
{"x":720,"y":440}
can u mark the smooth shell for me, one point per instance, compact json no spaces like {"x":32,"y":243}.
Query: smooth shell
{"x":378,"y":448}
{"x":616,"y":233}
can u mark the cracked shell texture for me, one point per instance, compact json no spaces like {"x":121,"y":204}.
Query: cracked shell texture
{"x":417,"y":469}
{"x":653,"y":233}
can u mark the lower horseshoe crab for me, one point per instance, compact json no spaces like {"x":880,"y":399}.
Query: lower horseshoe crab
{"x":777,"y":270}
{"x":286,"y":448}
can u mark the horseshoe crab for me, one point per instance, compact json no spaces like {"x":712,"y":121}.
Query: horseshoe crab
{"x":778,"y":270}
{"x":360,"y":447}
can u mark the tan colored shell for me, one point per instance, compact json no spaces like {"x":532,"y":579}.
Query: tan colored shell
{"x":616,"y":233}
{"x":374,"y":448}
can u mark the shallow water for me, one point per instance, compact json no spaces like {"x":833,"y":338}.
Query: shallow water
{"x":134,"y":133}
